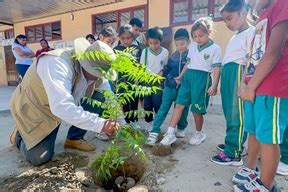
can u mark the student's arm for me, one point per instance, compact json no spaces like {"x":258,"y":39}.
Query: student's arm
{"x":21,"y":53}
{"x":179,"y":78}
{"x":215,"y":81}
{"x":276,"y":44}
{"x":142,"y":57}
{"x":217,"y":59}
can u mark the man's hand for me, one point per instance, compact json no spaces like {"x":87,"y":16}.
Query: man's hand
{"x":178,"y":80}
{"x":246,"y":93}
{"x":110,"y":127}
{"x":212,"y":90}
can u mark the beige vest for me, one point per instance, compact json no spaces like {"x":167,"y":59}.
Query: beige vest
{"x":29,"y":104}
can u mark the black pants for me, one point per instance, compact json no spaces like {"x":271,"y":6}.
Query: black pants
{"x":131,"y":106}
{"x":152,"y":103}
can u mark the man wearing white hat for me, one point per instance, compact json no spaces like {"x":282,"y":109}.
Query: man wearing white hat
{"x":50,"y":93}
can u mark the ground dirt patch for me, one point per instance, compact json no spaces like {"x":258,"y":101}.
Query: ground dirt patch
{"x":67,"y":171}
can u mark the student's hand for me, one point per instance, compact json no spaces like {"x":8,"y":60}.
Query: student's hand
{"x":247,"y":93}
{"x":110,"y":127}
{"x":178,"y":80}
{"x":212,"y":90}
{"x":242,"y":86}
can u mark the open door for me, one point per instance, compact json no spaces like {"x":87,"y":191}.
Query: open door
{"x":12,"y":75}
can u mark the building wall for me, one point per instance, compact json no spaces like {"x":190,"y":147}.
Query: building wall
{"x":5,"y":27}
{"x":80,"y":26}
{"x":158,"y":15}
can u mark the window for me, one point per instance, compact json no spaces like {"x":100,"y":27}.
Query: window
{"x":118,"y":18}
{"x":180,"y":11}
{"x":48,"y":31}
{"x":104,"y":20}
{"x":9,"y":34}
{"x":218,"y":4}
{"x":185,"y":11}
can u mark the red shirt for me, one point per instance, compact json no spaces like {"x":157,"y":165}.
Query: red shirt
{"x":276,"y":82}
{"x":42,"y":51}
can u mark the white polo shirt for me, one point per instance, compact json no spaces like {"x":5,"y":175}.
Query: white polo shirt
{"x":204,"y":58}
{"x":154,"y":62}
{"x":239,"y":47}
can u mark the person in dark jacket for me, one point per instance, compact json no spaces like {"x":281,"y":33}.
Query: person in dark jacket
{"x":172,"y":70}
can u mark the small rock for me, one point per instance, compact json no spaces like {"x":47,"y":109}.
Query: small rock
{"x":86,"y":182}
{"x":119,"y":180}
{"x":70,"y":186}
{"x":80,"y":174}
{"x":21,"y":161}
{"x":130,"y":182}
{"x":160,"y":179}
{"x":53,"y":170}
{"x":217,"y":183}
{"x":139,"y":188}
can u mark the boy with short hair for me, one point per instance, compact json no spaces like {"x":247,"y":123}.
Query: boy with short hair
{"x":137,"y":25}
{"x":155,"y":57}
{"x":172,"y":70}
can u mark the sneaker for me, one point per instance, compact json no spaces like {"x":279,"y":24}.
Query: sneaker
{"x":255,"y":185}
{"x":80,"y":144}
{"x":197,"y":138}
{"x":245,"y":175}
{"x":221,"y":147}
{"x":180,"y":133}
{"x":169,"y":138}
{"x":102,"y":136}
{"x":282,"y":169}
{"x":135,"y":125}
{"x":223,"y":159}
{"x":152,"y":138}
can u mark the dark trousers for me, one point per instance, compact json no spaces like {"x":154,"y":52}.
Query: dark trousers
{"x":21,"y":69}
{"x":44,"y":151}
{"x":152,"y":103}
{"x":131,"y":106}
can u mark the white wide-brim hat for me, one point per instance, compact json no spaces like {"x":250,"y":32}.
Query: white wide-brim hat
{"x":91,"y":65}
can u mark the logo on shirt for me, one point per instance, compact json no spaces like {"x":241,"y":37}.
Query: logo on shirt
{"x":162,"y":63}
{"x":206,"y":56}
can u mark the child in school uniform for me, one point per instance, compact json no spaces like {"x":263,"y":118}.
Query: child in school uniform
{"x":173,"y":69}
{"x":265,"y":91}
{"x":234,"y":14}
{"x":126,"y":37}
{"x":197,"y":85}
{"x":155,"y":57}
{"x":139,"y":37}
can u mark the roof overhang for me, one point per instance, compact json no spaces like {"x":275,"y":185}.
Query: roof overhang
{"x":15,"y":11}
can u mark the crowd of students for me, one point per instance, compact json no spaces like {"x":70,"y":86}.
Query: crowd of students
{"x":254,"y":85}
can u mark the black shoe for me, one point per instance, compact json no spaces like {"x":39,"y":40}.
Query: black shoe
{"x":221,"y":147}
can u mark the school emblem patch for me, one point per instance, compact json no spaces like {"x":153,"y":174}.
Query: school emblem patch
{"x":206,"y":56}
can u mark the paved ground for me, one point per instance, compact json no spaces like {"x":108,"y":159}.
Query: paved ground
{"x":192,"y":171}
{"x":5,"y":95}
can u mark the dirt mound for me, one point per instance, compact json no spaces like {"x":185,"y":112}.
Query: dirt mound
{"x":66,"y":171}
